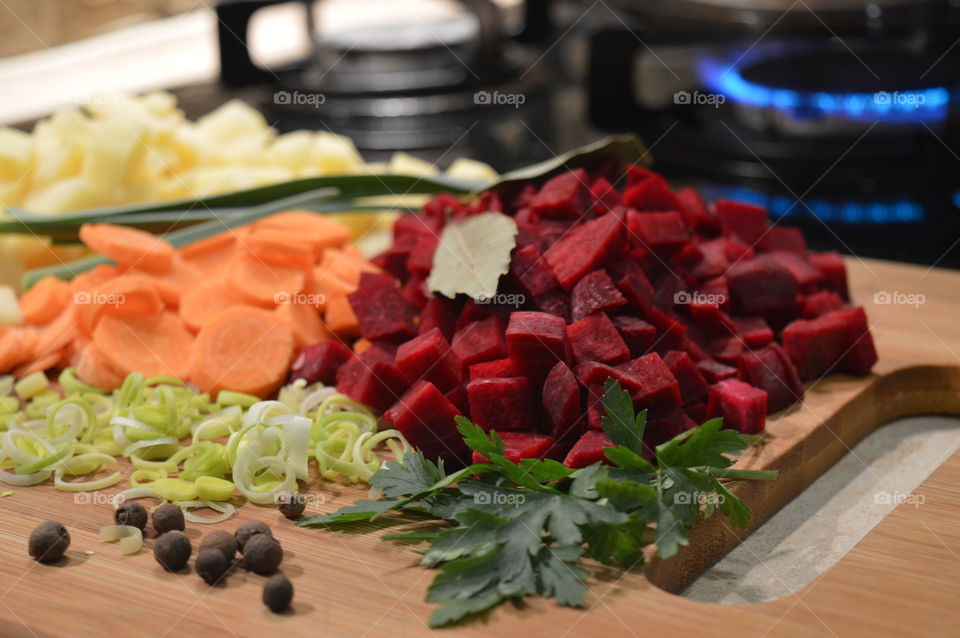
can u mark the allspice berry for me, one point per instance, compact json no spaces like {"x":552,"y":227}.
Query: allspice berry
{"x":248,"y":529}
{"x":262,"y":554}
{"x":277,"y":593}
{"x":172,"y":550}
{"x":133,"y":514}
{"x":292,"y":504}
{"x":48,"y":542}
{"x":212,"y":566}
{"x":221,"y":541}
{"x":167,"y":518}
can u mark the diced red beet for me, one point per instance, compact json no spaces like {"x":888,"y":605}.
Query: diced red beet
{"x":834,"y":272}
{"x":593,"y":375}
{"x":714,"y":261}
{"x":736,"y":250}
{"x":595,"y":293}
{"x":839,"y":341}
{"x":742,"y":220}
{"x":694,"y":211}
{"x":714,"y":371}
{"x":561,"y":403}
{"x":658,"y":387}
{"x":605,"y":196}
{"x":426,"y":419}
{"x":595,"y":338}
{"x":421,"y":257}
{"x":692,"y":348}
{"x":819,"y":303}
{"x":410,"y":225}
{"x":318,"y":363}
{"x":742,"y":406}
{"x":473,"y":311}
{"x":565,"y":196}
{"x":415,"y":292}
{"x":787,"y":239}
{"x":771,"y":370}
{"x":760,"y":286}
{"x":588,"y":450}
{"x":440,"y":206}
{"x":595,"y":407}
{"x":493,"y":369}
{"x":521,"y":445}
{"x":394,"y":259}
{"x":653,"y":195}
{"x":532,"y":273}
{"x":480,"y":341}
{"x":663,"y":425}
{"x":430,"y":358}
{"x":637,"y":174}
{"x":377,"y":384}
{"x":697,"y":412}
{"x":380,"y":352}
{"x":663,"y":233}
{"x":586,"y":248}
{"x":458,"y":397}
{"x":726,"y":350}
{"x":693,"y":387}
{"x":486,"y":201}
{"x":556,"y":302}
{"x":381,"y":310}
{"x":439,"y":313}
{"x":754,"y":331}
{"x":536,"y":341}
{"x":709,"y":317}
{"x":716,"y":289}
{"x":669,"y":326}
{"x":502,"y":404}
{"x":630,"y":280}
{"x":636,"y":333}
{"x":802,"y":270}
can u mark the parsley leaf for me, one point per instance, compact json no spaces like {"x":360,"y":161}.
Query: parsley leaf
{"x":620,"y":424}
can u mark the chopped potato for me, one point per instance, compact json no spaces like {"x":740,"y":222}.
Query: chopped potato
{"x":404,"y":164}
{"x":10,"y":314}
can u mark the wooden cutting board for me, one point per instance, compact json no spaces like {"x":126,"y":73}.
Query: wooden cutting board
{"x":902,"y":579}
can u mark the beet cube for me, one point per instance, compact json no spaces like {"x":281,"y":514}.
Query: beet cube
{"x":426,"y":419}
{"x":714,"y":261}
{"x":473,"y":311}
{"x":838,"y":341}
{"x":831,"y":265}
{"x":754,"y":331}
{"x":521,"y":445}
{"x":430,"y":358}
{"x":561,"y":403}
{"x":636,"y":333}
{"x":381,"y":352}
{"x":595,"y":407}
{"x":770,"y":370}
{"x":637,"y":174}
{"x":605,"y":196}
{"x":651,"y":195}
{"x":381,"y":310}
{"x":744,"y":221}
{"x":493,"y":369}
{"x":536,"y":341}
{"x":820,"y":303}
{"x":556,"y":303}
{"x":532,"y":273}
{"x":588,"y":450}
{"x":595,"y":338}
{"x":786,"y":239}
{"x":480,"y":341}
{"x":377,"y":384}
{"x":663,"y":233}
{"x":593,"y":375}
{"x":694,"y":211}
{"x":760,"y":286}
{"x":802,"y":270}
{"x":697,"y":412}
{"x":726,"y":350}
{"x":318,"y":363}
{"x":502,"y":404}
{"x":663,"y":425}
{"x":658,"y":387}
{"x":693,"y":387}
{"x":714,"y":371}
{"x":458,"y":397}
{"x":595,"y":293}
{"x":630,"y":280}
{"x":565,"y":196}
{"x":412,"y":226}
{"x":586,"y":248}
{"x":709,"y":317}
{"x":439,"y":313}
{"x":742,"y":406}
{"x":415,"y":292}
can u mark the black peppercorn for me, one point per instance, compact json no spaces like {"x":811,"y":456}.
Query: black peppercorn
{"x":172,"y":550}
{"x":48,"y":542}
{"x":292,"y":504}
{"x":262,"y":554}
{"x":277,"y":593}
{"x":212,"y":566}
{"x":248,"y":529}
{"x":132,"y":514}
{"x":222,"y":541}
{"x":167,"y":518}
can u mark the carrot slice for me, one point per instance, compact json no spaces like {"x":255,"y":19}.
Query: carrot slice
{"x":47,"y":299}
{"x":263,"y":284}
{"x":11,"y":350}
{"x":207,"y":300}
{"x":243,"y":349}
{"x":305,"y":322}
{"x":128,"y":247}
{"x":94,"y":368}
{"x":213,"y":254}
{"x":313,"y":228}
{"x":277,"y":247}
{"x":330,"y":284}
{"x":58,"y":333}
{"x":340,"y":318}
{"x":181,"y":277}
{"x":38,"y":365}
{"x":153,"y":345}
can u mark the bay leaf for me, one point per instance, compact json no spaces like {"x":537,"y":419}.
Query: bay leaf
{"x":472,"y":255}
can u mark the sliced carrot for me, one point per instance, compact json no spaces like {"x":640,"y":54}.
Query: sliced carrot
{"x":362,"y":345}
{"x":47,"y":299}
{"x":207,"y":300}
{"x":314,"y":228}
{"x":58,"y":333}
{"x":128,"y":247}
{"x":277,"y":247}
{"x":330,"y":284}
{"x":243,"y":349}
{"x":181,"y":277}
{"x":94,"y":368}
{"x":153,"y":345}
{"x":71,"y":354}
{"x":340,"y":318}
{"x":129,"y":296}
{"x":213,"y":254}
{"x":336,"y":262}
{"x":11,"y":350}
{"x":305,"y":321}
{"x":38,"y":365}
{"x":263,"y":284}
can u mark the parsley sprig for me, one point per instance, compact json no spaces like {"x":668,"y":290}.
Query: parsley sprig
{"x":520,"y":529}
